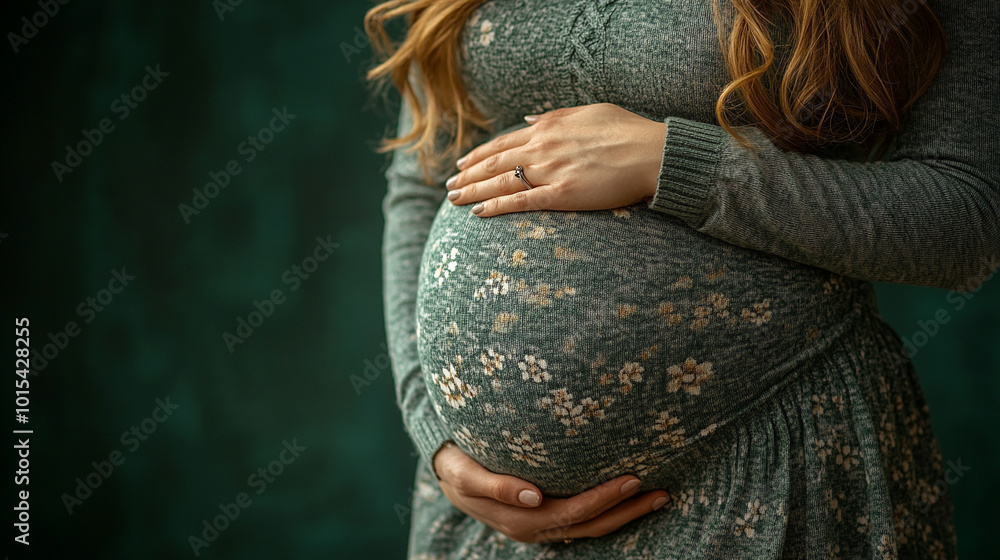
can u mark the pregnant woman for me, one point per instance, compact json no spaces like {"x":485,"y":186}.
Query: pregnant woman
{"x":650,"y":275}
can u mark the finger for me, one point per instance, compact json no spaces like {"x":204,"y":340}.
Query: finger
{"x":628,"y":488}
{"x":591,"y":503}
{"x":493,"y":165}
{"x":612,"y":520}
{"x":557,"y":513}
{"x":617,"y":517}
{"x":563,"y":111}
{"x":505,"y":183}
{"x":509,"y":490}
{"x":518,"y":201}
{"x":469,"y":478}
{"x":499,"y":144}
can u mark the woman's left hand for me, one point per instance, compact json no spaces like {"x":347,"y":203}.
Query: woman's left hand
{"x":592,"y":157}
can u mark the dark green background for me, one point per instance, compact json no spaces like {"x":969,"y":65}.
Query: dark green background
{"x":162,"y":335}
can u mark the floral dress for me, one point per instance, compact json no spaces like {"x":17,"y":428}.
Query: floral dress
{"x":721,"y":341}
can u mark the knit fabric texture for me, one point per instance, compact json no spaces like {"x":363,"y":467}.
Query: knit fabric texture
{"x":721,"y":341}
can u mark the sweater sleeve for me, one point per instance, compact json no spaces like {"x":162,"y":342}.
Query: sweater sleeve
{"x":409,"y":207}
{"x":928,"y":215}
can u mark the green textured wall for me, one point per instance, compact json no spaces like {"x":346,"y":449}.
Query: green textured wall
{"x":65,"y":234}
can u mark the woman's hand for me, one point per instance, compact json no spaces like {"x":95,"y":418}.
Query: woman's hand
{"x":592,"y":157}
{"x":516,"y":508}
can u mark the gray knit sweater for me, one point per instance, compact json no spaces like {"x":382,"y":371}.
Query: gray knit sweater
{"x":722,"y":341}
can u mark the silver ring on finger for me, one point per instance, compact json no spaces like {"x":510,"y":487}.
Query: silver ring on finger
{"x":519,"y":173}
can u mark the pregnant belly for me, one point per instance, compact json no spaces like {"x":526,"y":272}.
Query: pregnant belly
{"x":568,"y":348}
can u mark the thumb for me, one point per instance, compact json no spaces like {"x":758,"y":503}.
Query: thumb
{"x":472,"y":479}
{"x":511,"y":491}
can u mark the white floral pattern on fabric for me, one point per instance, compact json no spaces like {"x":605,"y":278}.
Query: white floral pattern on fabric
{"x":534,"y":369}
{"x":446,"y":266}
{"x":455,"y":390}
{"x":523,"y":449}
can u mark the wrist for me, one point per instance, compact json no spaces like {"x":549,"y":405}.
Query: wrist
{"x":692,"y":151}
{"x":653,"y":159}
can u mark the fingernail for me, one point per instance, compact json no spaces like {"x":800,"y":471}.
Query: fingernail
{"x":477,"y":208}
{"x":629,"y":486}
{"x":453,"y":195}
{"x":451,"y":181}
{"x":460,"y":161}
{"x":529,"y":498}
{"x":659,"y":503}
{"x":531,"y":119}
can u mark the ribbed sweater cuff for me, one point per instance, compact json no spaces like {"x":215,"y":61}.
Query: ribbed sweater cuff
{"x":427,"y":433}
{"x":691,"y":153}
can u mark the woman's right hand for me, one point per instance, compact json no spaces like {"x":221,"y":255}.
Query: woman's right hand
{"x":515,"y":507}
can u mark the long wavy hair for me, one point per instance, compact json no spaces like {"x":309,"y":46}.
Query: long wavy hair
{"x":855,"y":68}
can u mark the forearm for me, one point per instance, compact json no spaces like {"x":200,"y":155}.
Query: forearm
{"x":409,"y":208}
{"x":405,"y":234}
{"x":930,"y":223}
